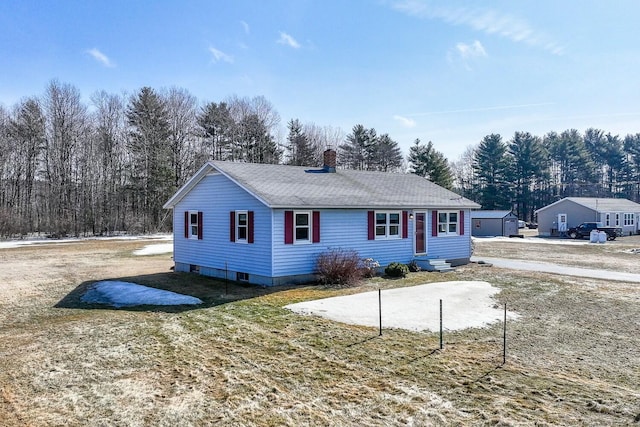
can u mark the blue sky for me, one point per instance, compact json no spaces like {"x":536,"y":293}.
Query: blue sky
{"x":442,"y":71}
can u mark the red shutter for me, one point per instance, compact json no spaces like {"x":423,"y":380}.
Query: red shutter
{"x":371,"y":225}
{"x":186,"y":224}
{"x":405,"y":224}
{"x":462,"y":223}
{"x":250,"y":227}
{"x":316,"y":227}
{"x":434,"y":223}
{"x":232,"y":226}
{"x":288,"y":227}
{"x":200,"y":230}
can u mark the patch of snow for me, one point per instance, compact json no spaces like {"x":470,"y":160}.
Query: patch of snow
{"x":10,"y":244}
{"x":465,"y":304}
{"x":532,"y":240}
{"x":163,"y":248}
{"x":126,"y":294}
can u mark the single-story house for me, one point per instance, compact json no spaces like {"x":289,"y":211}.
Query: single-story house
{"x":267,"y":224}
{"x":573,"y":211}
{"x":493,"y":223}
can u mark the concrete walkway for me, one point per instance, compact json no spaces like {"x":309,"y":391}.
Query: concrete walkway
{"x":545,"y":267}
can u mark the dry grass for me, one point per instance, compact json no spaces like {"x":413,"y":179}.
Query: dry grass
{"x":242,"y":359}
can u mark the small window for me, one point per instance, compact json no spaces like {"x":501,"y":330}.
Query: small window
{"x":617,"y":220}
{"x":447,"y":223}
{"x":194,"y":268}
{"x":242,"y":226}
{"x":302,"y":227}
{"x":194,"y":225}
{"x":388,"y":225}
{"x":242,"y":277}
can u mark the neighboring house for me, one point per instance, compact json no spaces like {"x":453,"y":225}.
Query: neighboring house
{"x":267,"y":224}
{"x":494,"y":223}
{"x":570,"y":212}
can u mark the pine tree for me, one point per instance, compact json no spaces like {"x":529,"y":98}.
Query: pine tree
{"x":388,"y":156}
{"x":151,"y":172}
{"x":528,"y":168}
{"x":300,"y":150}
{"x":492,"y":169}
{"x":431,"y":164}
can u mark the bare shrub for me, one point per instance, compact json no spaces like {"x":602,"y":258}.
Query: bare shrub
{"x":369,"y":267}
{"x":339,"y":266}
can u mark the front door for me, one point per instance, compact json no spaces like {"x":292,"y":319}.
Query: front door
{"x":421,"y":233}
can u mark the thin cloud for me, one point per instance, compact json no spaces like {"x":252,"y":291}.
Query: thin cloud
{"x":219,"y":55}
{"x":245,"y":26}
{"x":101,"y":57}
{"x":473,"y":50}
{"x":288,"y":40}
{"x":404,"y":121}
{"x":481,"y":109}
{"x":485,"y":20}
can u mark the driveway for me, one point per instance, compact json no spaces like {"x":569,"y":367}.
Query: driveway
{"x":546,"y":267}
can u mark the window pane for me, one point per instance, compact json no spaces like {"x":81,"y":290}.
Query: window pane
{"x":193,"y":218}
{"x":394,"y":230}
{"x":381,"y":218}
{"x":442,"y":217}
{"x":453,"y":227}
{"x":242,"y":233}
{"x":442,"y":228}
{"x":302,"y":219}
{"x":453,"y":217}
{"x":302,"y":233}
{"x":394,"y":218}
{"x":242,"y":219}
{"x":381,"y":230}
{"x":194,"y":230}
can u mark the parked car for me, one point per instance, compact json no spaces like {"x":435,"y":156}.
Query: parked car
{"x":532,"y":225}
{"x":521,"y":224}
{"x":584,"y":229}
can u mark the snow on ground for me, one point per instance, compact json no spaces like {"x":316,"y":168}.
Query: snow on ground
{"x":163,"y":248}
{"x":126,"y":294}
{"x":10,"y":244}
{"x":465,"y":304}
{"x":534,"y":240}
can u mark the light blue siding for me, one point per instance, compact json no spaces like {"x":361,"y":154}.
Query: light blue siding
{"x":346,"y":229}
{"x":216,"y":196}
{"x":269,"y":260}
{"x":449,"y":247}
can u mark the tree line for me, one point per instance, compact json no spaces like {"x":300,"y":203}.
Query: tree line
{"x":528,"y":172}
{"x":69,"y":169}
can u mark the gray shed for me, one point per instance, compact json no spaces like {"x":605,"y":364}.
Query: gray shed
{"x":572,"y":211}
{"x":493,"y":223}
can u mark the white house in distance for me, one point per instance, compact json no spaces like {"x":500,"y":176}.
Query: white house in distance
{"x":573,"y":211}
{"x":266,"y":224}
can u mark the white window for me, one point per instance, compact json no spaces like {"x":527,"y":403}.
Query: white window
{"x":388,"y":225}
{"x":617,"y":220}
{"x":302,"y":227}
{"x":607,"y":220}
{"x":193,"y":225}
{"x":448,"y":223}
{"x":242,"y":226}
{"x":629,"y":219}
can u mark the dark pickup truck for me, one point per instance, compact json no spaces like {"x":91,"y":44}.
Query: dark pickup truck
{"x":584,"y":230}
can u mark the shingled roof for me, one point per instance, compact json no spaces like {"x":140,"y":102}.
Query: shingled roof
{"x":600,"y":204}
{"x":281,"y":186}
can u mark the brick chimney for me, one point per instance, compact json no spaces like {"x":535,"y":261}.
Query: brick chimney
{"x":329,"y":160}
